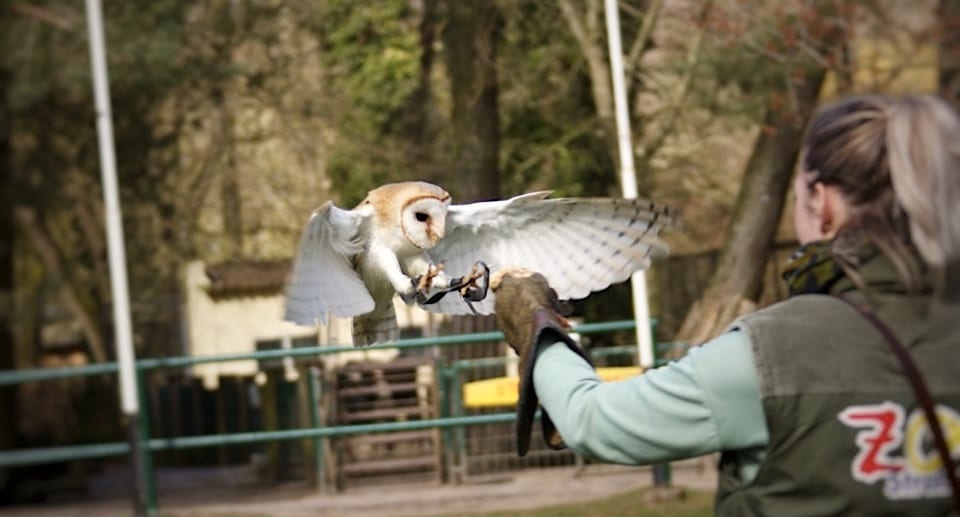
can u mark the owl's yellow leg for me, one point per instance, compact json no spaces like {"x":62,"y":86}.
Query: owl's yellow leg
{"x":427,"y":279}
{"x":472,"y":287}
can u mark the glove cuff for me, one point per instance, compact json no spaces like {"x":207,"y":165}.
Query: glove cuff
{"x":546,"y":327}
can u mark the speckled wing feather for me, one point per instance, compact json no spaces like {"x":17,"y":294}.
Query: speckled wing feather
{"x":580,"y":245}
{"x":323,"y":281}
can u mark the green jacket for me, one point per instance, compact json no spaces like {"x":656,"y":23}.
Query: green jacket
{"x":846,"y":436}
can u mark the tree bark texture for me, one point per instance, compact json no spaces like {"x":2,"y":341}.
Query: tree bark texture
{"x":948,"y":63}
{"x":588,"y":29}
{"x":8,"y":394}
{"x":231,"y":205}
{"x":43,"y":244}
{"x":737,"y":281}
{"x":414,"y":124}
{"x":470,"y":42}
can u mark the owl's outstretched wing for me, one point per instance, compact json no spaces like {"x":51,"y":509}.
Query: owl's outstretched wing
{"x":324,"y":281}
{"x":580,"y":245}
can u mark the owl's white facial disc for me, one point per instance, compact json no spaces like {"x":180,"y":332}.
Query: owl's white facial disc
{"x":423,"y":221}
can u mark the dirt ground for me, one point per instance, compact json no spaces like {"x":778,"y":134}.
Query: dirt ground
{"x":514,"y":491}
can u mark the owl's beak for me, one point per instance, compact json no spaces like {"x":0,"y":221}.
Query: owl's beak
{"x":435,"y":230}
{"x":433,"y":236}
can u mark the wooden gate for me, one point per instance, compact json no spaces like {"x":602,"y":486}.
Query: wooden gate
{"x":401,"y":390}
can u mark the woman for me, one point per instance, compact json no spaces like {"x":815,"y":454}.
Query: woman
{"x":804,"y":399}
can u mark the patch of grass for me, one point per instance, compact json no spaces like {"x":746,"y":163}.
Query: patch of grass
{"x":636,"y":503}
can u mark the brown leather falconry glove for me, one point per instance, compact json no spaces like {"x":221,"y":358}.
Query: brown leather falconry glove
{"x":527,"y":308}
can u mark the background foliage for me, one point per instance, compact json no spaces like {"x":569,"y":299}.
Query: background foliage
{"x":234,"y":119}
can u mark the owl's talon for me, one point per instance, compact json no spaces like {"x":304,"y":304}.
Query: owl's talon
{"x":475,"y":288}
{"x":425,"y":281}
{"x":472,"y":287}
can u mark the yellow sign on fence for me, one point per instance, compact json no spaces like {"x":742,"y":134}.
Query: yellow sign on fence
{"x":502,"y":391}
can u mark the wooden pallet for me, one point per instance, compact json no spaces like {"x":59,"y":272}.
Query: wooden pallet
{"x":401,"y":390}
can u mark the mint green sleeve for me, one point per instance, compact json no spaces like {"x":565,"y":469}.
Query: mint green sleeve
{"x":705,"y":402}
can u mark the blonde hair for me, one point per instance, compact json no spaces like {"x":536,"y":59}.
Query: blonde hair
{"x":897,"y":161}
{"x":923,"y":143}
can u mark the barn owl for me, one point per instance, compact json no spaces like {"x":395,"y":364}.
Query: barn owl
{"x":407,"y":239}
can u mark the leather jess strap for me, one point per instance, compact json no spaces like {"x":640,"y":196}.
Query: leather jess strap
{"x":920,"y":390}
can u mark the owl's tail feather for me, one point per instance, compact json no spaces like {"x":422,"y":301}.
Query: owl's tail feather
{"x":375,"y":327}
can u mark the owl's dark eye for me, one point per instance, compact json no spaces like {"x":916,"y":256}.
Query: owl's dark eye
{"x":421,"y":216}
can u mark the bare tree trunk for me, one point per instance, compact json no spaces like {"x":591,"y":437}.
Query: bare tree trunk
{"x":586,"y":21}
{"x":470,"y":40}
{"x":653,"y":144}
{"x":737,"y":281}
{"x":8,"y":398}
{"x":230,"y":206}
{"x":44,"y":246}
{"x":948,"y":65}
{"x":588,"y":29}
{"x":228,"y":22}
{"x":414,"y":125}
{"x":90,"y":219}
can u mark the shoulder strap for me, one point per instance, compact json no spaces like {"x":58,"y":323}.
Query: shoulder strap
{"x":920,"y":390}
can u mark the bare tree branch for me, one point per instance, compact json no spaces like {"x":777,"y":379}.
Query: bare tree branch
{"x":641,"y":42}
{"x":560,"y":143}
{"x":44,"y":15}
{"x":584,"y":28}
{"x":677,"y":101}
{"x":42,"y":243}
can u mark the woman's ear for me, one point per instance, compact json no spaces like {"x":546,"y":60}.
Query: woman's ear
{"x":830,"y":207}
{"x":820,"y":206}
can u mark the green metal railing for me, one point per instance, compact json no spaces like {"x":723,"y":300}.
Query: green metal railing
{"x":450,"y":392}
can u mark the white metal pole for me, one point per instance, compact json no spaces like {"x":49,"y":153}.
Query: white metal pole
{"x":123,"y":334}
{"x":628,"y":176}
{"x":111,"y":200}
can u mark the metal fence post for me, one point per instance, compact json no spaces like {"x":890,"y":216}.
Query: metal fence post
{"x":456,"y":395}
{"x":143,"y":455}
{"x":316,"y":392}
{"x":445,"y":371}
